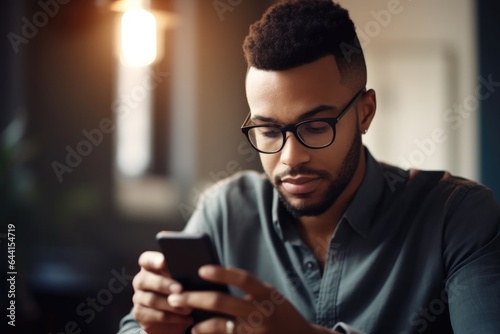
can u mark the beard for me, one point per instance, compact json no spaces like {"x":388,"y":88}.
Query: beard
{"x":336,"y":188}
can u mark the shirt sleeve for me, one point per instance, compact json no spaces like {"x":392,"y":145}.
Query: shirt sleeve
{"x":472,"y":259}
{"x":211,"y":214}
{"x":128,"y":325}
{"x":346,"y":329}
{"x":201,"y":221}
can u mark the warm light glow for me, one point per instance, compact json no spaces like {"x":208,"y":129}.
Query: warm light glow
{"x":138,"y":38}
{"x":134,"y":121}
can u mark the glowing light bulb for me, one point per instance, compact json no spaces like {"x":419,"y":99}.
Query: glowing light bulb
{"x":138,"y":38}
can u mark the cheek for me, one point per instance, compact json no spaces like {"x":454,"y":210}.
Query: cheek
{"x":326,"y":160}
{"x":269,"y":163}
{"x":331,"y":159}
{"x":344,"y":138}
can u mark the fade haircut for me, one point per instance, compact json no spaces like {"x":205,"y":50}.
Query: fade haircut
{"x":296,"y":32}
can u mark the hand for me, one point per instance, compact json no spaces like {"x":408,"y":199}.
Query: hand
{"x":263,"y":310}
{"x":152,"y":285}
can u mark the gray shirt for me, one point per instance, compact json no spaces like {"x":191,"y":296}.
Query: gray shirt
{"x":415,"y":252}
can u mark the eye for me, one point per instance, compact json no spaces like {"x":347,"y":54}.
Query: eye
{"x":268,"y":132}
{"x":315,"y":127}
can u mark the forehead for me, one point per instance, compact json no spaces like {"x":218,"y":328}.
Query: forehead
{"x":284,"y":95}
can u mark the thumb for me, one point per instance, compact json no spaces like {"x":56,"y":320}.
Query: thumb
{"x":151,"y":260}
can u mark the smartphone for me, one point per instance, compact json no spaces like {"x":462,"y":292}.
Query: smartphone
{"x":184,"y":254}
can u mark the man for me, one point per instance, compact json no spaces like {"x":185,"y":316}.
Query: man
{"x":329,"y":240}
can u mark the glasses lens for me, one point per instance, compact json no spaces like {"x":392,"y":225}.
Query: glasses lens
{"x":266,"y":138}
{"x":316,"y":133}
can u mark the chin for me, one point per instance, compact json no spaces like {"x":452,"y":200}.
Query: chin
{"x":305,"y":207}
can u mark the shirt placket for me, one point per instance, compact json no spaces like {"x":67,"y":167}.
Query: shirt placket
{"x":326,"y":308}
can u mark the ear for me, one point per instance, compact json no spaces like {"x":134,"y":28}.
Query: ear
{"x":366,"y":110}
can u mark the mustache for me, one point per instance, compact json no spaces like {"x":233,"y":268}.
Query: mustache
{"x":301,"y":170}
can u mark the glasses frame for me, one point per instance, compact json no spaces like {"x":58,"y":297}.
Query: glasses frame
{"x":332,"y":121}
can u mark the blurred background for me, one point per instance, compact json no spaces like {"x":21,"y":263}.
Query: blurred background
{"x":116,"y":115}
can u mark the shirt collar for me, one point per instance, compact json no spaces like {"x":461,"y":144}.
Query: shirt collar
{"x":275,"y":212}
{"x":360,"y":211}
{"x":364,"y":204}
{"x":282,"y":222}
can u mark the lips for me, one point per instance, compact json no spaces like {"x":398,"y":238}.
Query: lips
{"x":300,"y":185}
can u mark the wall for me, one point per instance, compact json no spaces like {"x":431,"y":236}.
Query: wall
{"x":421,"y":60}
{"x":209,"y":102}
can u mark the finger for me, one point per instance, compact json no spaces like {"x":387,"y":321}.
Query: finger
{"x":166,"y":232}
{"x":215,"y":325}
{"x":157,"y":302}
{"x":153,"y":261}
{"x":150,"y":281}
{"x":239,"y":278}
{"x":145,"y":315}
{"x":212,"y":301}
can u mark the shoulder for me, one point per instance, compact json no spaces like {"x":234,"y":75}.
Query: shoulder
{"x":439,"y":200}
{"x":438,"y":187}
{"x":459,"y":217}
{"x":238,"y":194}
{"x":453,"y":191}
{"x":238,"y":206}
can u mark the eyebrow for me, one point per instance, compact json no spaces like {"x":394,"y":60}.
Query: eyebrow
{"x":307,"y":114}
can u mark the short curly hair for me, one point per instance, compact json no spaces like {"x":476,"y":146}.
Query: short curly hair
{"x":296,"y":32}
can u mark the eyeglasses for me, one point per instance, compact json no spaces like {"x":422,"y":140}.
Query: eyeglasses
{"x":314,"y":133}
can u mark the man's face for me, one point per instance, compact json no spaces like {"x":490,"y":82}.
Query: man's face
{"x":309,"y":180}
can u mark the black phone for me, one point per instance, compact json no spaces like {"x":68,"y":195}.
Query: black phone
{"x":184,"y":254}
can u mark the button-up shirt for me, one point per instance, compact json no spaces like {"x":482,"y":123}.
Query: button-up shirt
{"x":415,"y":251}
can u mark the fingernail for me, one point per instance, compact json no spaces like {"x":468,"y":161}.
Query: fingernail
{"x":207,"y":271}
{"x":158,"y":261}
{"x":175,"y":300}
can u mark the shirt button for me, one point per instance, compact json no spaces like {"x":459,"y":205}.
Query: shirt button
{"x":310,"y":265}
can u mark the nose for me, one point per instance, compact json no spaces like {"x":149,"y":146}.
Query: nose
{"x":294,"y":153}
